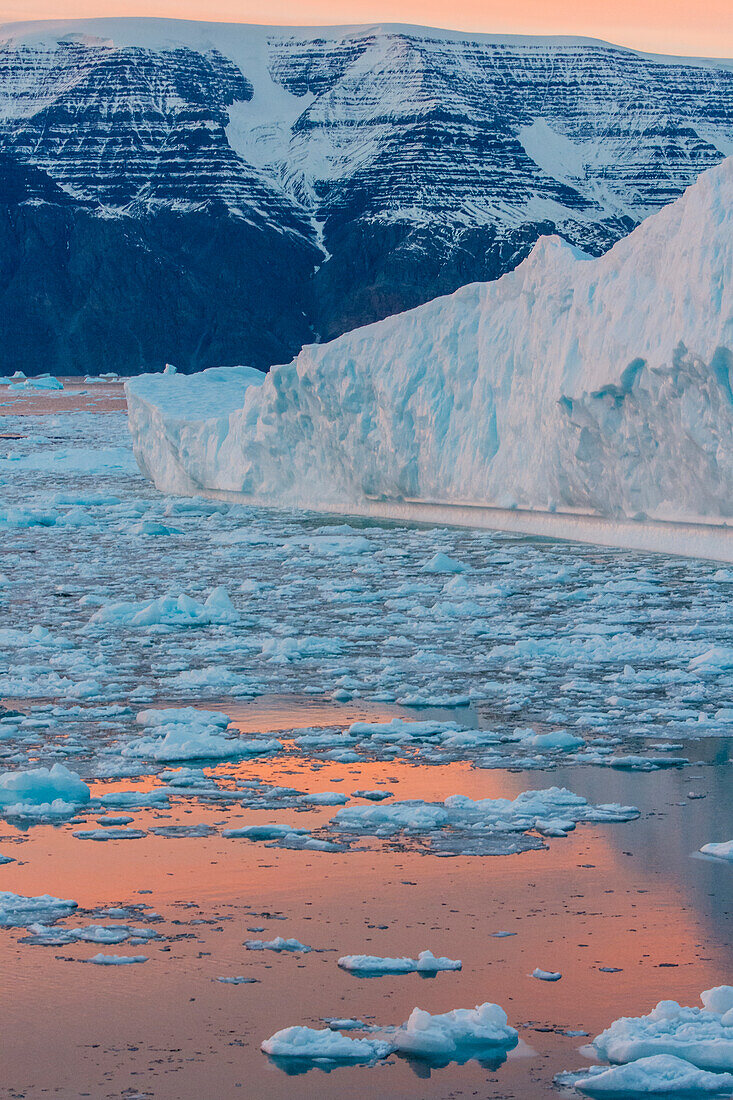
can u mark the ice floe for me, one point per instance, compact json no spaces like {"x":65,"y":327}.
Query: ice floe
{"x":278,"y":944}
{"x":459,"y":1035}
{"x":481,"y":824}
{"x":18,"y":911}
{"x":719,"y":849}
{"x":663,"y":1075}
{"x":41,"y":792}
{"x":374,"y":965}
{"x":310,"y":1045}
{"x":702,"y":1036}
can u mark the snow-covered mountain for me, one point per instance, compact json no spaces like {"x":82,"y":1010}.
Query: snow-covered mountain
{"x":211,"y":193}
{"x":596,"y":384}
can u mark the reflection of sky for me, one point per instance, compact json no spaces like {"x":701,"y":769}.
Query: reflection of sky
{"x":673,"y":827}
{"x":580,"y":904}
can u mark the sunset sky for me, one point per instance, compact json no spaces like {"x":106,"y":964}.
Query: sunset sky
{"x":669,"y":26}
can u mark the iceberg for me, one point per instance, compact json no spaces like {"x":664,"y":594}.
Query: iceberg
{"x":570,"y":386}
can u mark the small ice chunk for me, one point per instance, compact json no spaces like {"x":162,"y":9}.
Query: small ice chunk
{"x":117,"y":960}
{"x":546,"y":975}
{"x":108,"y":834}
{"x":662,"y":1075}
{"x":42,"y":791}
{"x":311,"y":1045}
{"x":453,"y":1035}
{"x":375,"y":965}
{"x":702,"y":1036}
{"x":441,"y":563}
{"x":166,"y":716}
{"x":720,"y":850}
{"x":278,"y":944}
{"x":326,"y":798}
{"x":19,"y":911}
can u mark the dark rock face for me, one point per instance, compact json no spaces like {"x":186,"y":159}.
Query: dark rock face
{"x":226,"y":194}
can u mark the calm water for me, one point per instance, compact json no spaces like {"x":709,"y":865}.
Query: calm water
{"x":537,"y":634}
{"x":627,"y":896}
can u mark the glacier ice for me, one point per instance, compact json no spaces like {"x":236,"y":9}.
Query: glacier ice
{"x":594,"y":385}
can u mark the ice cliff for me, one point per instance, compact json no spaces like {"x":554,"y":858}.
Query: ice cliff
{"x":569,"y":383}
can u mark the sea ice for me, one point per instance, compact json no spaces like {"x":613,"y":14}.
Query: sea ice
{"x":441,"y":563}
{"x":554,"y":811}
{"x":175,"y":610}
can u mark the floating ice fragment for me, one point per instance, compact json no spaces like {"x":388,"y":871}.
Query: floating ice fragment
{"x":662,"y":1075}
{"x":18,"y":911}
{"x":456,"y":1035}
{"x":326,"y":798}
{"x":374,"y":965}
{"x":310,"y":1045}
{"x":167,"y":716}
{"x":702,"y":1036}
{"x":42,"y":792}
{"x":171,"y":610}
{"x":720,"y":850}
{"x":441,"y":563}
{"x":278,"y":944}
{"x":109,"y":834}
{"x":117,"y":960}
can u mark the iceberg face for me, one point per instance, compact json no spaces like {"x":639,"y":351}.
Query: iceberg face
{"x":599,"y":385}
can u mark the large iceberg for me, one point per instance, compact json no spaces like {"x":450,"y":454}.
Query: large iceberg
{"x":599,"y":385}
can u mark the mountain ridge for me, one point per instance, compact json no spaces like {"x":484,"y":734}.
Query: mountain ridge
{"x":369,"y":168}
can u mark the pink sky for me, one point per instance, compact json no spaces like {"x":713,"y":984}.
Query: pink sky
{"x":665,"y":26}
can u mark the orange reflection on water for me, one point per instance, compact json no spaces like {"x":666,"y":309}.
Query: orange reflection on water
{"x":576,"y":906}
